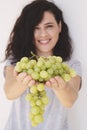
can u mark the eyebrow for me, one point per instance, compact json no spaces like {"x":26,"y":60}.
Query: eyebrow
{"x":48,"y":23}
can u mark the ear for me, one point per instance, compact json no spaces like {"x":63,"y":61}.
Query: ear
{"x":60,"y":26}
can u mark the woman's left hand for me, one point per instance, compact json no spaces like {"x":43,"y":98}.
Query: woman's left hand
{"x":66,"y":92}
{"x":56,"y":83}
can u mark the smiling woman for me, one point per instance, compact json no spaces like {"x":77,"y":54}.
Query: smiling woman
{"x":46,"y":34}
{"x":40,"y":28}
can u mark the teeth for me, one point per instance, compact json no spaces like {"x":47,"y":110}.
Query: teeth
{"x":44,"y":41}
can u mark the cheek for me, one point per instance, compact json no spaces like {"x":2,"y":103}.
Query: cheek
{"x":35,"y":40}
{"x":56,"y":37}
{"x":35,"y":36}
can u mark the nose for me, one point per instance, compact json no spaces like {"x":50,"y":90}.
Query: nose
{"x":43,"y":32}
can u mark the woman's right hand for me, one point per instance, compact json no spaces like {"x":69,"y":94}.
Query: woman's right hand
{"x":16,"y":83}
{"x":24,"y":78}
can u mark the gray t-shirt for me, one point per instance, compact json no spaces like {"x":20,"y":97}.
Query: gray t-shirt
{"x":55,"y":116}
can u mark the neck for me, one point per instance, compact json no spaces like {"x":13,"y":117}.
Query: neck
{"x":45,"y":54}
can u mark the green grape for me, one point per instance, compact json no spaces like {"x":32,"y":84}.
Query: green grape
{"x":32,"y":103}
{"x":42,"y":110}
{"x":32,"y":62}
{"x":29,"y":66}
{"x":23,"y":65}
{"x":56,"y":72}
{"x":35,"y":97}
{"x":45,"y":100}
{"x":43,"y":93}
{"x":18,"y":67}
{"x":43,"y":74}
{"x":33,"y":89}
{"x":51,"y":59}
{"x":24,"y":60}
{"x":42,"y":107}
{"x":33,"y":123}
{"x":38,"y":118}
{"x":43,"y":59}
{"x":60,"y":71}
{"x":50,"y":71}
{"x":24,"y":70}
{"x":59,"y":65}
{"x":59,"y":59}
{"x":35,"y":110}
{"x":66,"y":77}
{"x":43,"y":68}
{"x":40,"y":87}
{"x":53,"y":68}
{"x":48,"y":64}
{"x":41,"y":79}
{"x":38,"y":102}
{"x":72,"y":72}
{"x":28,"y":97}
{"x":40,"y":63}
{"x":30,"y":71}
{"x":65,"y":67}
{"x":49,"y":76}
{"x":35,"y":75}
{"x":36,"y":68}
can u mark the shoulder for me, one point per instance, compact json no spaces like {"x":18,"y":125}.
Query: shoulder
{"x":8,"y":66}
{"x":9,"y":61}
{"x":73,"y":62}
{"x":8,"y":70}
{"x":76,"y":65}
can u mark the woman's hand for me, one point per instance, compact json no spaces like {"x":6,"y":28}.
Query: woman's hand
{"x":16,"y":83}
{"x":66,"y":92}
{"x":24,"y":78}
{"x":56,"y":83}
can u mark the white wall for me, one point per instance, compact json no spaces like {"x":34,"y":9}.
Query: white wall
{"x":76,"y":17}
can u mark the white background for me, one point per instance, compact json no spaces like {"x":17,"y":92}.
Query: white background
{"x":76,"y":17}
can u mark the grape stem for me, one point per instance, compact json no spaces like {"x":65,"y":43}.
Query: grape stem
{"x":33,"y":55}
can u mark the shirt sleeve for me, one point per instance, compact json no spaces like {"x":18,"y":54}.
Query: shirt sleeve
{"x":8,"y":62}
{"x":76,"y":65}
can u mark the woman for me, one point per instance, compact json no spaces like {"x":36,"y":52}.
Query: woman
{"x":40,"y":28}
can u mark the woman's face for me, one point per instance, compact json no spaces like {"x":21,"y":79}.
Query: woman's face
{"x":46,"y":35}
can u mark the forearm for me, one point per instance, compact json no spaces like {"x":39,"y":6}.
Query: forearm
{"x":67,"y":92}
{"x":14,"y":89}
{"x":16,"y":83}
{"x":67,"y":96}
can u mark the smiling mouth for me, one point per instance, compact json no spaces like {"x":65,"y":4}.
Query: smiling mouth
{"x":44,"y":42}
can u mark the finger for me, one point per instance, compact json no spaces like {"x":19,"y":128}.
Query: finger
{"x":15,"y":73}
{"x":26,"y":80}
{"x":31,"y":83}
{"x":61,"y":82}
{"x":48,"y":84}
{"x":54,"y":82}
{"x":21,"y":76}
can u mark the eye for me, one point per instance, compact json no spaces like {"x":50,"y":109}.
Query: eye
{"x":36,"y":28}
{"x":49,"y":26}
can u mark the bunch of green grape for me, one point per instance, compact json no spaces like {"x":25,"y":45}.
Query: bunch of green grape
{"x":41,"y":70}
{"x":38,"y":100}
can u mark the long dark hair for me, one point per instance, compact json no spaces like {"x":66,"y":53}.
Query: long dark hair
{"x":21,"y":38}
